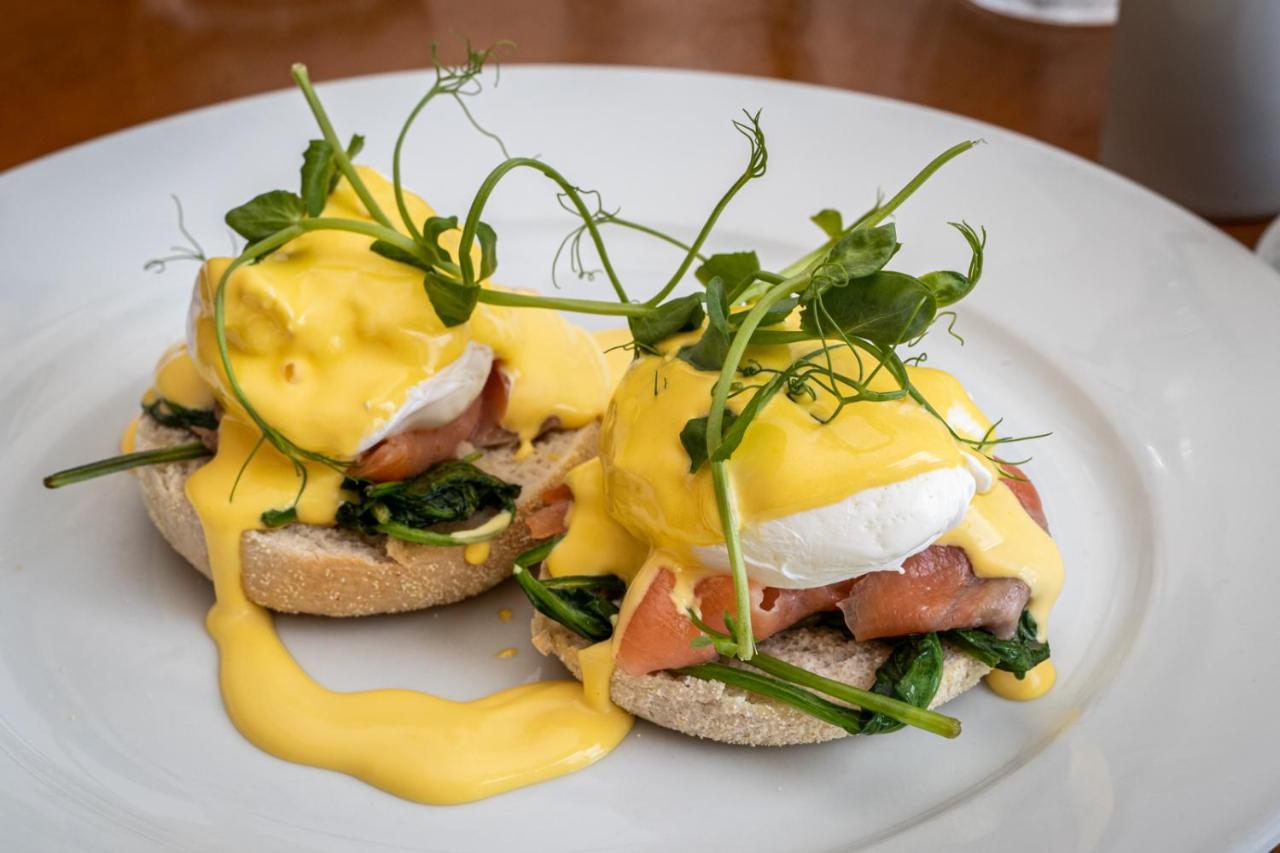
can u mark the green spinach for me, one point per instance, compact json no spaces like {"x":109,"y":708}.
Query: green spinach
{"x":170,"y":414}
{"x":448,"y":491}
{"x":911,"y":673}
{"x":1018,"y":655}
{"x":585,"y":604}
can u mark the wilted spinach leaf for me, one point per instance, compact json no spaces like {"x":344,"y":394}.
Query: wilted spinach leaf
{"x":448,"y":491}
{"x":912,"y":673}
{"x":585,"y":604}
{"x":1018,"y":655}
{"x":171,"y":414}
{"x":280,"y":517}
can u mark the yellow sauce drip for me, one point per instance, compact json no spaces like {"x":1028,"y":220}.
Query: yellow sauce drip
{"x":416,"y":746}
{"x":128,"y":437}
{"x":597,"y":671}
{"x":507,"y":653}
{"x":328,"y":340}
{"x":504,"y":613}
{"x":178,"y":380}
{"x":1033,"y":685}
{"x":476,"y":553}
{"x":595,"y":544}
{"x":1002,"y":541}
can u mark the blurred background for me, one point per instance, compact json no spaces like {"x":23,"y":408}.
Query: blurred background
{"x":73,"y":70}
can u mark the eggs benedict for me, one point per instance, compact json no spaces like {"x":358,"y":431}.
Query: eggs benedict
{"x":340,"y":348}
{"x":780,"y":532}
{"x":780,"y":472}
{"x":867,"y":527}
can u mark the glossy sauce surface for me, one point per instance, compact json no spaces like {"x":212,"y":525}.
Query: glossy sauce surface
{"x":328,"y":339}
{"x":411,"y":744}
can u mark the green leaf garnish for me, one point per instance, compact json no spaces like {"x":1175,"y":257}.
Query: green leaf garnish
{"x":949,"y":287}
{"x":320,"y":172}
{"x":855,"y":255}
{"x":710,"y":350}
{"x":265,"y":215}
{"x":488,"y":249}
{"x":400,"y":255}
{"x":317,"y":171}
{"x":830,"y":221}
{"x":453,"y":301}
{"x":887,"y":308}
{"x":693,"y":437}
{"x":682,"y":314}
{"x":734,"y":428}
{"x":432,"y":229}
{"x":735,"y":269}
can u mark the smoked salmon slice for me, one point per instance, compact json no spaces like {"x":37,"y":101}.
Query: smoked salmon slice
{"x":660,"y":637}
{"x":547,"y":521}
{"x":407,"y":454}
{"x":1026,"y":494}
{"x":937,"y":591}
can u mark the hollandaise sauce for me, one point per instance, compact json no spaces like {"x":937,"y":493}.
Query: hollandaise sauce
{"x":328,"y":339}
{"x":416,"y":746}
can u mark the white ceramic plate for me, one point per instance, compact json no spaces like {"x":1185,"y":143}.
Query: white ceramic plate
{"x":1141,"y":336}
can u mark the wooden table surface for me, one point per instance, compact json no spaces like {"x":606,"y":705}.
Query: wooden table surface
{"x":74,"y":69}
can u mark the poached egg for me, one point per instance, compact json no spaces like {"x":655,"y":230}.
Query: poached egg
{"x":340,"y":347}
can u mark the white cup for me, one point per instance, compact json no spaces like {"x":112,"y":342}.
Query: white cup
{"x":1194,"y":111}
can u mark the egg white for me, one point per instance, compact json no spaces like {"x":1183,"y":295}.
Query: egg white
{"x":873,"y":530}
{"x":438,"y":399}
